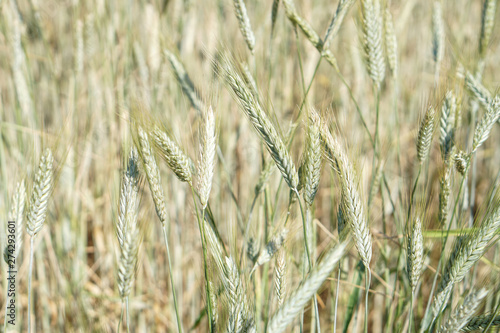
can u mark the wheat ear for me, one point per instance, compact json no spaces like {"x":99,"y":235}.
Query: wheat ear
{"x":481,"y":322}
{"x":415,"y":253}
{"x":391,"y":43}
{"x":438,"y":36}
{"x":262,"y":124}
{"x":311,"y":167}
{"x":244,"y":23}
{"x":425,"y":134}
{"x":478,"y":90}
{"x":372,"y":39}
{"x":487,"y":23}
{"x":352,"y":206}
{"x":464,"y":312}
{"x":42,"y":189}
{"x":206,"y":162}
{"x":303,"y":293}
{"x":173,"y":155}
{"x":486,"y":123}
{"x":333,"y":29}
{"x":127,"y":230}
{"x":280,"y":276}
{"x":184,"y":80}
{"x":447,"y":125}
{"x":466,"y":252}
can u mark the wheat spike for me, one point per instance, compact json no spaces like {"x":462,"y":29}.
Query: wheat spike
{"x":352,"y":206}
{"x":481,"y":322}
{"x":128,"y":196}
{"x":425,"y":134}
{"x":273,"y":246}
{"x":262,"y":124}
{"x":447,"y":124}
{"x":280,"y":276}
{"x":486,"y":123}
{"x":152,"y":174}
{"x":444,"y":195}
{"x":244,"y":22}
{"x":478,"y":90}
{"x":311,"y":168}
{"x":206,"y":162}
{"x":391,"y":43}
{"x":438,"y":35}
{"x":184,"y":80}
{"x":303,"y":293}
{"x":487,"y":23}
{"x":42,"y":189}
{"x":415,"y":253}
{"x":461,"y":315}
{"x":372,"y":39}
{"x":333,"y":29}
{"x":176,"y":159}
{"x":466,"y":252}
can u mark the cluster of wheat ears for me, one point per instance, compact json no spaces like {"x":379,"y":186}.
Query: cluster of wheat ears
{"x":430,"y":262}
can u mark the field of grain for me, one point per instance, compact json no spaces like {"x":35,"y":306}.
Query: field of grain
{"x":249,"y":166}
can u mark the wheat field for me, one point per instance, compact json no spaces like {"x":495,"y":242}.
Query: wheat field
{"x":249,"y":166}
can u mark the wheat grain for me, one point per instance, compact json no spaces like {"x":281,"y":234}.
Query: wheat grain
{"x":478,"y":90}
{"x":438,"y":35}
{"x":447,"y":124}
{"x":280,"y":276}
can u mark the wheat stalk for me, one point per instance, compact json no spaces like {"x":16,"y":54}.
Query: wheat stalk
{"x":17,"y":215}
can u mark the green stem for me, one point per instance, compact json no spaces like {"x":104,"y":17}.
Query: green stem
{"x":32,"y":241}
{"x":201,"y":226}
{"x":179,"y":324}
{"x":121,"y":319}
{"x":368,"y":280}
